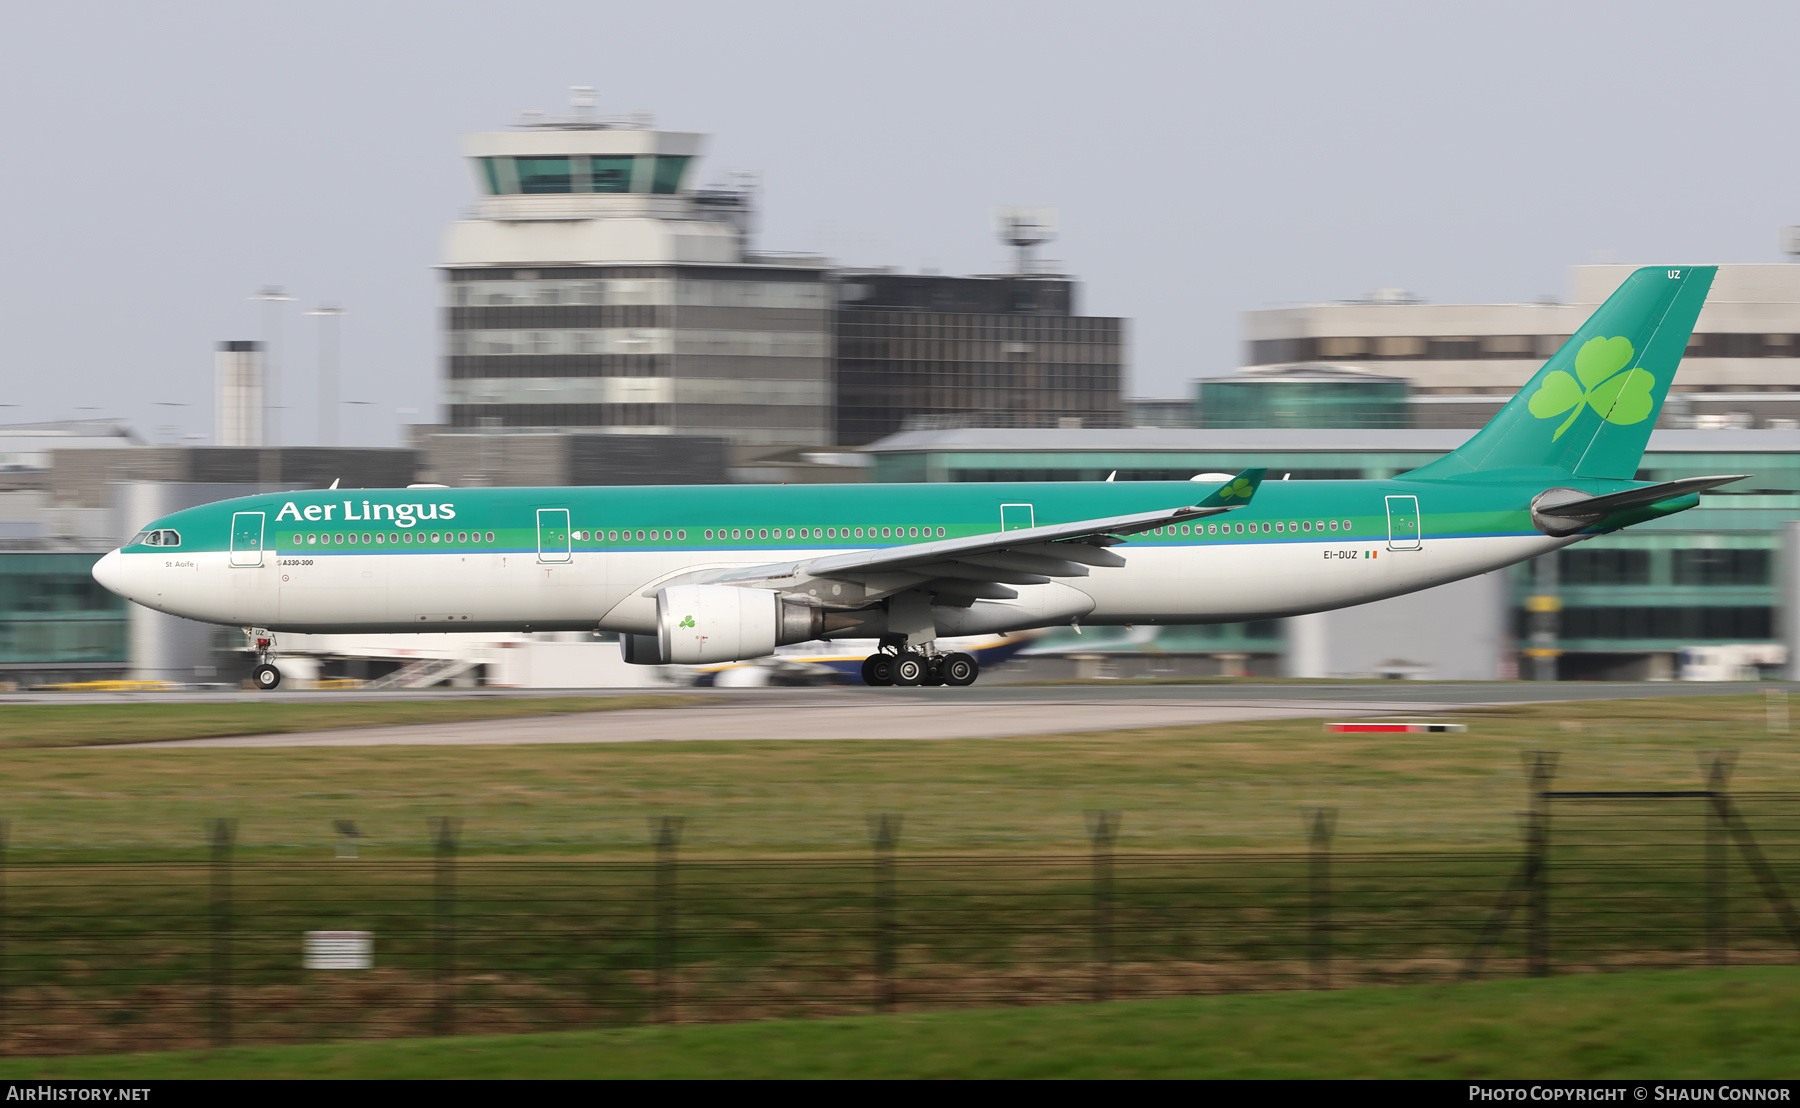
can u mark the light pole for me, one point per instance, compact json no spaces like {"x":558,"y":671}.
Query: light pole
{"x":358,"y":403}
{"x":328,"y":358}
{"x":272,"y":297}
{"x":171,"y":431}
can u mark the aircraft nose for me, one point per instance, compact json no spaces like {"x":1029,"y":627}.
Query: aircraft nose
{"x":110,"y":572}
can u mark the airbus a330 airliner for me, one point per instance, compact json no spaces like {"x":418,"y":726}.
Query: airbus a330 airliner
{"x":700,"y":574}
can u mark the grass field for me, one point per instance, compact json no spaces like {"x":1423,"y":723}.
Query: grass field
{"x":1211,"y":787}
{"x":1720,"y":1024}
{"x":995,"y":900}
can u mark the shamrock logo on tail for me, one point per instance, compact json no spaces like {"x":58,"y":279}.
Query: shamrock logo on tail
{"x":687,"y":621}
{"x":1238,"y":488}
{"x":1618,"y":397}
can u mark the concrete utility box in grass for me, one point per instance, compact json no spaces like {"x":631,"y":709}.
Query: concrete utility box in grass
{"x":340,"y":950}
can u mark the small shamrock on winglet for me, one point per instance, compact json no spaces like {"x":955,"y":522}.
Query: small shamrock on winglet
{"x":1240,"y":487}
{"x":1617,"y":397}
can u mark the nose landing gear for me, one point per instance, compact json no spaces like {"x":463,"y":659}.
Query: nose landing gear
{"x":265,"y":675}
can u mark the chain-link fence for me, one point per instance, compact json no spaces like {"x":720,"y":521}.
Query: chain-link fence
{"x":99,"y":955}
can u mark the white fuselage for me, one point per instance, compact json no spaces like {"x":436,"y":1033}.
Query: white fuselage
{"x":369,"y":591}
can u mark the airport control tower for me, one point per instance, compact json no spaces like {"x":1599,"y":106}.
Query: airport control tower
{"x":592,"y":287}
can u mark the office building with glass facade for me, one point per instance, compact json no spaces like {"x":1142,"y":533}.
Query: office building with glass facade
{"x":1629,"y":602}
{"x":1008,"y":351}
{"x":1306,"y":395}
{"x":56,"y":622}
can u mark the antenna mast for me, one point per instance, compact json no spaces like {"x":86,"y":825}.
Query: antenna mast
{"x":1023,"y":229}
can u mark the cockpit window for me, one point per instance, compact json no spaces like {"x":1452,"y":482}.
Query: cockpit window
{"x":170,"y":538}
{"x":142,"y":538}
{"x":156,"y":538}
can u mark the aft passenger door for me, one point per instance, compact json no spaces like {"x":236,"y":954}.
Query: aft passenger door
{"x":1403,"y":523}
{"x":553,"y":535}
{"x":247,"y":538}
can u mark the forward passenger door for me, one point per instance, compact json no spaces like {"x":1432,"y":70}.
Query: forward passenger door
{"x":247,"y":539}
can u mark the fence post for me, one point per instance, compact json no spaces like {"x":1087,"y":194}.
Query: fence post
{"x":884,"y":834}
{"x":1718,"y":770}
{"x":443,"y":931}
{"x":668,"y":837}
{"x":1542,"y":767}
{"x":221,"y":834}
{"x":1323,"y":822}
{"x":1103,"y":829}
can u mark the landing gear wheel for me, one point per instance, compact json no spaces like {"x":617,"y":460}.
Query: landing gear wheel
{"x":266,"y":676}
{"x":934,"y":671}
{"x":959,"y":669}
{"x":911,"y":668}
{"x":878,"y":669}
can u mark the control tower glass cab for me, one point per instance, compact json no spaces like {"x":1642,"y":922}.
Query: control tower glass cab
{"x":600,"y":169}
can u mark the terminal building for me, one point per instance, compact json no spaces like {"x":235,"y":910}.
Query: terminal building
{"x":1462,"y":361}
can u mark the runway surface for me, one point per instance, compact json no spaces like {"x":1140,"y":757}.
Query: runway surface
{"x":828,"y":716}
{"x":829,"y":713}
{"x":1485,"y":692}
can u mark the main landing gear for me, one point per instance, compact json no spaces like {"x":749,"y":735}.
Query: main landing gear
{"x":265,"y":675}
{"x":911,"y":667}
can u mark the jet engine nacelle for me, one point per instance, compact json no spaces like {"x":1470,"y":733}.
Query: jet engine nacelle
{"x":696,"y":624}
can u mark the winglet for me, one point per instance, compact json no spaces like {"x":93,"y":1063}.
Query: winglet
{"x":1236,"y":492}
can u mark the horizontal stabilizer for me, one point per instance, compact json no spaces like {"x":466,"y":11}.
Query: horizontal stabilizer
{"x":1566,"y":511}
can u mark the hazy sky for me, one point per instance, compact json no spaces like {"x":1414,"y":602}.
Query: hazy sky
{"x":164,"y":161}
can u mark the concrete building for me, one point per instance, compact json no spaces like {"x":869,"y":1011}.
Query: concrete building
{"x":465,"y":459}
{"x":239,"y":394}
{"x":1742,"y":367}
{"x":593,"y":286}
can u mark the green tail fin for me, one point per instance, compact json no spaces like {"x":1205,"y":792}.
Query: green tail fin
{"x":1588,"y":412}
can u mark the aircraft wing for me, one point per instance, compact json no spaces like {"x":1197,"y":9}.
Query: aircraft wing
{"x":980,"y":567}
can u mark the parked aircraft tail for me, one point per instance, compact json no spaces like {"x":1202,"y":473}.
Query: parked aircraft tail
{"x":1589,"y":410}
